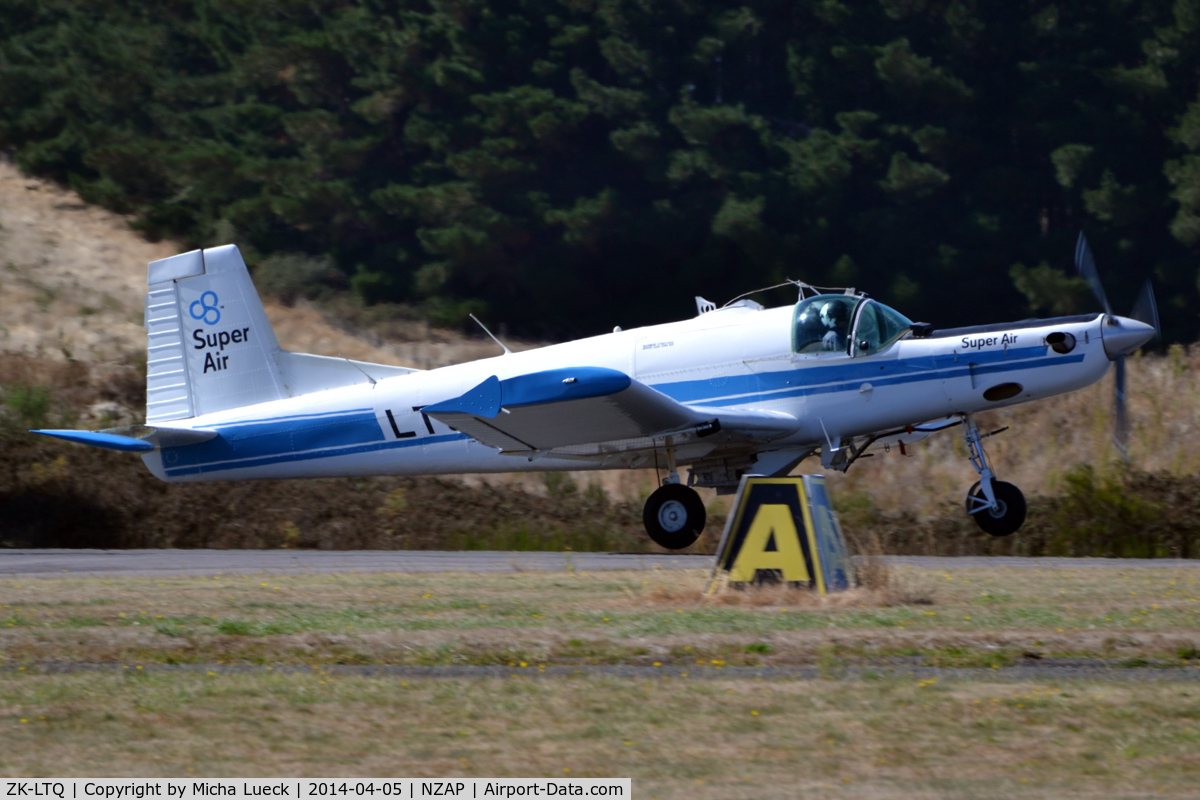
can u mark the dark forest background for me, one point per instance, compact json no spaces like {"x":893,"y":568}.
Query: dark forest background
{"x":566,"y":165}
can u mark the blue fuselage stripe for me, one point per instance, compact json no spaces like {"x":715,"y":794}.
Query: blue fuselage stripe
{"x":328,"y":452}
{"x":812,"y":380}
{"x":258,"y":438}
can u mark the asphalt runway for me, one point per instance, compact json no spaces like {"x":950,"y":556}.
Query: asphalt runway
{"x":57,"y":563}
{"x":132,"y":563}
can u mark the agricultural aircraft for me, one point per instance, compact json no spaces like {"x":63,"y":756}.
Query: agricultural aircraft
{"x":739,"y":389}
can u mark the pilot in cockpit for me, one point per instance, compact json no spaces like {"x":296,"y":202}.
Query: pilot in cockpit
{"x":835,"y":317}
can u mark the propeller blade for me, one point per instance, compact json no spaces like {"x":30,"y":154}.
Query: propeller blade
{"x":1120,"y":421}
{"x":1146,"y":310}
{"x":1087,"y":270}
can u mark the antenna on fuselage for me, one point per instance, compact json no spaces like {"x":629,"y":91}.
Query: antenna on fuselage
{"x":507,"y":352}
{"x":360,"y":369}
{"x":802,"y":287}
{"x":798,"y":284}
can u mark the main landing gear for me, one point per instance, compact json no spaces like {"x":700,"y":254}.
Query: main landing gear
{"x":997,"y":507}
{"x":674,"y":515}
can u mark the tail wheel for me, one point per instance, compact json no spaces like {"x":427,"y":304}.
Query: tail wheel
{"x":674,"y":516}
{"x":1009,"y":514}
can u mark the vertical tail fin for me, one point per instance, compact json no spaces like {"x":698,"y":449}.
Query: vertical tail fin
{"x":211,"y":347}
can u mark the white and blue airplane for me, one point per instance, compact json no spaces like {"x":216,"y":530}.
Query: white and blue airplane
{"x":740,"y":389}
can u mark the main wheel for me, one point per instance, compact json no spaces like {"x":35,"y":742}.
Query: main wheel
{"x":1007,"y":517}
{"x":674,"y":516}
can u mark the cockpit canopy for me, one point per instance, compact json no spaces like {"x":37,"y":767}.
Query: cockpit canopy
{"x":824,"y":323}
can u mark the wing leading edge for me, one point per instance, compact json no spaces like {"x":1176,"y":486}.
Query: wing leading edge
{"x":558,"y":408}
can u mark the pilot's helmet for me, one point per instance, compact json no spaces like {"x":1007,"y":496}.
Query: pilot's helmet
{"x":833,"y":314}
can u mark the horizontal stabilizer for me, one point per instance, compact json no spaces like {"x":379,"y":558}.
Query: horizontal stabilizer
{"x":558,"y":408}
{"x":133,"y":438}
{"x":305,"y":374}
{"x":109,"y":441}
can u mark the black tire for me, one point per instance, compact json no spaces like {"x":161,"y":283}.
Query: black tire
{"x":674,"y":516}
{"x":1006,"y":519}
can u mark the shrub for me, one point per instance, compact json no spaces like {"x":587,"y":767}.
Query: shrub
{"x":28,"y":406}
{"x":1100,"y":515}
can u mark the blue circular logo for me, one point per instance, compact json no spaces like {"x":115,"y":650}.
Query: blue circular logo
{"x":206,"y":307}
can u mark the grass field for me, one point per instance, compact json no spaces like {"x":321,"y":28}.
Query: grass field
{"x":964,"y":618}
{"x":677,"y":737}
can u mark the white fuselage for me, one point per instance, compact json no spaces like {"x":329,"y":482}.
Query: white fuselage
{"x":735,"y":357}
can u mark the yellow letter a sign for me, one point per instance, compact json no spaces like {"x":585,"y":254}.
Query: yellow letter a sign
{"x":773,"y":523}
{"x":784,"y":529}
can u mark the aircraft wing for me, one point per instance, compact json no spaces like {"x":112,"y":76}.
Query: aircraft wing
{"x":561,"y":408}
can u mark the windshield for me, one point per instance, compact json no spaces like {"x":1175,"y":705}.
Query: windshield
{"x":878,"y":326}
{"x":822,"y":324}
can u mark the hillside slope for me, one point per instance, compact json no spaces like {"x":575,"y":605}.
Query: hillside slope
{"x":73,"y":279}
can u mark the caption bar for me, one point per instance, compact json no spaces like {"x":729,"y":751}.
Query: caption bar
{"x":414,"y":788}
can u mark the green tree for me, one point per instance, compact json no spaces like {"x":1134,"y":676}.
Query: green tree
{"x":569,"y":165}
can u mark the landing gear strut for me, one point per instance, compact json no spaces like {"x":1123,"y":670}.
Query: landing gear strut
{"x":674,"y":515}
{"x":997,"y":507}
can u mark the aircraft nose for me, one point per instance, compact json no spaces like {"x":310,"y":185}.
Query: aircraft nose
{"x":1123,"y":335}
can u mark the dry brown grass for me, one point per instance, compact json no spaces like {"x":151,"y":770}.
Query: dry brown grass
{"x":874,"y":588}
{"x":72,"y":277}
{"x":775,"y":596}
